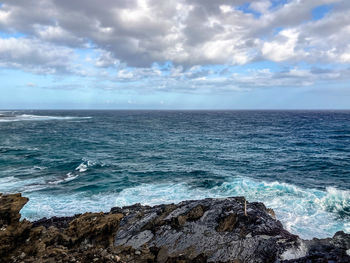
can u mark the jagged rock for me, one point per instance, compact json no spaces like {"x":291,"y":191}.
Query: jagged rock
{"x":328,"y":249}
{"x":12,"y":231}
{"x":58,"y":222}
{"x":209,"y":230}
{"x":69,"y":239}
{"x":10,"y":205}
{"x":93,"y":228}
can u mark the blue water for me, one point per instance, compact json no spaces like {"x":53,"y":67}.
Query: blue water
{"x":66,"y":162}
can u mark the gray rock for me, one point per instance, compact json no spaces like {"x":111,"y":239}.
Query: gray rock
{"x":209,"y":230}
{"x":326,"y":250}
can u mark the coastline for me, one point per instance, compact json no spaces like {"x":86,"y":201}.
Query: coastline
{"x":209,"y":230}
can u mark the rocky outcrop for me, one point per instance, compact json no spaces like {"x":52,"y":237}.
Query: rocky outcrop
{"x":84,"y":238}
{"x":209,"y":230}
{"x":12,"y":231}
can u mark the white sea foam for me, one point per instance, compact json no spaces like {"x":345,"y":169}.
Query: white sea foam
{"x":13,"y":184}
{"x":335,"y":201}
{"x":81,"y":168}
{"x":65,"y":205}
{"x":29,"y":117}
{"x":69,"y":177}
{"x":7,"y":184}
{"x":306,"y":212}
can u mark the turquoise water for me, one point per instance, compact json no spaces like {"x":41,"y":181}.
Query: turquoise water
{"x":66,"y":162}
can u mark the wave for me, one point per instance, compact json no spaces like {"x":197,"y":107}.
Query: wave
{"x":336,"y":201}
{"x":81,"y":168}
{"x":306,"y":212}
{"x":9,"y":184}
{"x":69,"y":177}
{"x":29,"y":117}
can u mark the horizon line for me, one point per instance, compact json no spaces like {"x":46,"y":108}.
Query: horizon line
{"x":180,"y":109}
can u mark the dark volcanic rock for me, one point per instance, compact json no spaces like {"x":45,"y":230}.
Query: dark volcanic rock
{"x":336,"y":249}
{"x":59,"y":222}
{"x":209,"y":230}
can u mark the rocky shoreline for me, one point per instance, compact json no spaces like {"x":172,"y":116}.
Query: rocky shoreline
{"x":208,"y":230}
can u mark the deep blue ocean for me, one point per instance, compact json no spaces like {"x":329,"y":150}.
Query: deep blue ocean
{"x":67,"y":162}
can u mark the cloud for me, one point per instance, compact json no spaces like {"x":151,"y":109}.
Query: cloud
{"x":177,"y":45}
{"x":283,"y":47}
{"x":261,"y":6}
{"x":193,"y":32}
{"x":34,"y":55}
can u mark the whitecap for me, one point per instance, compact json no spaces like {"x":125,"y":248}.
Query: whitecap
{"x":82,"y":167}
{"x":11,"y":184}
{"x":69,"y":177}
{"x":30,"y":117}
{"x":335,"y":200}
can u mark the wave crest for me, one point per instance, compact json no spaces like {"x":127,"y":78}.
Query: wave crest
{"x":306,"y":212}
{"x":30,"y":117}
{"x":336,"y":201}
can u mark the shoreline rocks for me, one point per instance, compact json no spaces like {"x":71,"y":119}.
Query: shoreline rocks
{"x":209,"y":230}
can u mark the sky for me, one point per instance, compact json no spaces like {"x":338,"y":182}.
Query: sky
{"x":184,"y":54}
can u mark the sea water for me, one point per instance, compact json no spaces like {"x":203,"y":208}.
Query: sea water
{"x":67,"y":162}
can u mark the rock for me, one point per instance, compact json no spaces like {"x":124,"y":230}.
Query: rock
{"x":10,"y":205}
{"x":93,"y":228}
{"x":13,"y":232}
{"x":209,"y":230}
{"x":227,"y":223}
{"x":327,"y":250}
{"x":162,"y":255}
{"x":58,"y":222}
{"x":212,"y":230}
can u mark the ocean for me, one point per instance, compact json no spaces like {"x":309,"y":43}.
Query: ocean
{"x":68,"y":162}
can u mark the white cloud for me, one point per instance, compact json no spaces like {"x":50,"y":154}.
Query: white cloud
{"x":284,"y":47}
{"x":124,"y":74}
{"x":34,"y":55}
{"x":140,"y":32}
{"x":130,"y":36}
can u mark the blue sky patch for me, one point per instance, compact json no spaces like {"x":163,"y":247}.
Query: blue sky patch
{"x":320,"y":11}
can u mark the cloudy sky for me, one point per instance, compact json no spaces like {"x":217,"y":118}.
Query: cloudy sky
{"x":184,"y":54}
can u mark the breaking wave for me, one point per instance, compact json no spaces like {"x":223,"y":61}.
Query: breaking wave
{"x":306,"y":212}
{"x":29,"y":117}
